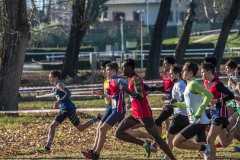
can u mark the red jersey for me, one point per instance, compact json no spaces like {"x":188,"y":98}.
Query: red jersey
{"x":167,"y":83}
{"x":221,"y":110}
{"x":140,"y":109}
{"x":117,"y":96}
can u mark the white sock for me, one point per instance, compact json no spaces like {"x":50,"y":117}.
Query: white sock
{"x":145,"y":144}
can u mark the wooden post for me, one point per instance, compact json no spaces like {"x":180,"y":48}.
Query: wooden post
{"x":93,"y":61}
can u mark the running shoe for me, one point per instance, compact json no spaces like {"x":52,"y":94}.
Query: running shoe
{"x":148,"y":148}
{"x":218,"y":145}
{"x":43,"y":150}
{"x":207,"y":151}
{"x":92,"y":155}
{"x":237,"y":148}
{"x":154,"y":148}
{"x":87,"y":151}
{"x":99,"y":116}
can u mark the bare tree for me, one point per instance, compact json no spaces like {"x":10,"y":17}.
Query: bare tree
{"x":14,"y":39}
{"x":152,"y":71}
{"x":226,"y":27}
{"x":217,"y":11}
{"x":184,"y":38}
{"x":84,"y":13}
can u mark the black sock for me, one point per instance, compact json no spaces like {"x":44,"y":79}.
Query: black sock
{"x":203,"y":147}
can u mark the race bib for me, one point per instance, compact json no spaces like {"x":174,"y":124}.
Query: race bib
{"x":114,"y":103}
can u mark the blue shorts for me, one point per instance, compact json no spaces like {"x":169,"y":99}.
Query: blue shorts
{"x":115,"y":117}
{"x":107,"y":113}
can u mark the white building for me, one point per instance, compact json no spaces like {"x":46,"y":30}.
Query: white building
{"x":128,"y":9}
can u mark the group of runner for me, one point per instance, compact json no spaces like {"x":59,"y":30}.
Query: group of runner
{"x":196,"y":108}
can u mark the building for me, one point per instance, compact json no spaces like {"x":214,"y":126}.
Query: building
{"x":132,"y":10}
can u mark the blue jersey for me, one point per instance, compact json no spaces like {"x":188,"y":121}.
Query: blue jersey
{"x":65,"y":104}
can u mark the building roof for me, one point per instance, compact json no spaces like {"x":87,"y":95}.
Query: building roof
{"x":113,"y":2}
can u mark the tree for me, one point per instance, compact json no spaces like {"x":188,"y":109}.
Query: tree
{"x":216,"y":12}
{"x":226,"y":27}
{"x":152,"y":70}
{"x":184,"y":38}
{"x":14,"y":39}
{"x":84,"y":13}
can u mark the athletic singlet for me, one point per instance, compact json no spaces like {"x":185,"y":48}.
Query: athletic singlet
{"x":106,"y":97}
{"x":116,"y":95}
{"x":140,"y":109}
{"x":220,"y":110}
{"x":167,"y":83}
{"x":65,"y":104}
{"x":177,"y":92}
{"x":194,"y":101}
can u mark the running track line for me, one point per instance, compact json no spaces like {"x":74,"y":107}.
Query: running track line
{"x":57,"y":110}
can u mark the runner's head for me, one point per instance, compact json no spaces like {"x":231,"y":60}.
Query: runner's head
{"x":54,"y":77}
{"x":128,"y":67}
{"x":175,"y":73}
{"x":167,"y":63}
{"x":103,"y":67}
{"x":230,"y":66}
{"x":111,"y":69}
{"x":190,"y":70}
{"x":207,"y":71}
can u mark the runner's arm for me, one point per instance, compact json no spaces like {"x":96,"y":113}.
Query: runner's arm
{"x":62,"y":87}
{"x":228,"y":94}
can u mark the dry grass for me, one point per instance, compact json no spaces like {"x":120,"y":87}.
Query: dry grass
{"x":20,"y":136}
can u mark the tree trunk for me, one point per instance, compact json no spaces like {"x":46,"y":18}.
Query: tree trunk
{"x":184,"y":38}
{"x":84,"y":13}
{"x":226,"y":27}
{"x":152,"y":70}
{"x":77,"y":32}
{"x":15,"y":36}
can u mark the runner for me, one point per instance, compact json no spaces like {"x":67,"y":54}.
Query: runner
{"x":107,"y":104}
{"x":218,"y":109}
{"x":141,"y":112}
{"x":117,"y":105}
{"x":180,"y":118}
{"x":67,"y":110}
{"x":167,"y":89}
{"x":196,"y":100}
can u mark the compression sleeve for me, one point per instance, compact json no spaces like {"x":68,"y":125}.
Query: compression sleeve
{"x":228,"y":94}
{"x":179,"y":105}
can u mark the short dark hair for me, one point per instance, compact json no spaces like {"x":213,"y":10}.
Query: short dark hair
{"x":177,"y":69}
{"x":56,"y":73}
{"x":130,"y":62}
{"x":170,"y":59}
{"x":192,"y":66}
{"x":231,"y":63}
{"x":211,"y":59}
{"x":104,"y":63}
{"x":209,"y":67}
{"x":112,"y":65}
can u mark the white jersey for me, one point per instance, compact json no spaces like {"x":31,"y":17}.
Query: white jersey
{"x":177,"y":93}
{"x":193,"y":101}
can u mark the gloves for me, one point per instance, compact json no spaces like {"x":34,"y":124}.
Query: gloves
{"x":173,"y":101}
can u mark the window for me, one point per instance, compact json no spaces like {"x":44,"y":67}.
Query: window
{"x":136,"y":16}
{"x":117,"y":15}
